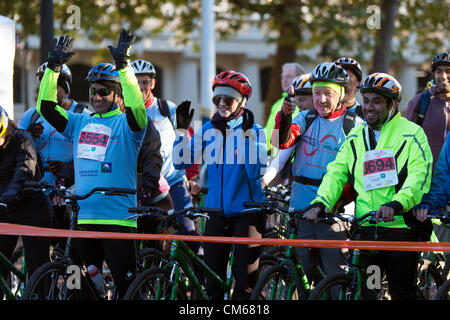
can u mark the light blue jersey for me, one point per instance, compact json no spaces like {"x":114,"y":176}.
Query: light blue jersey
{"x":52,"y":145}
{"x":105,"y":153}
{"x":318,"y":147}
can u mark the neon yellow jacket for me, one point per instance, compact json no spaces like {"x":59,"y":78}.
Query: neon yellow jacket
{"x":413,"y":159}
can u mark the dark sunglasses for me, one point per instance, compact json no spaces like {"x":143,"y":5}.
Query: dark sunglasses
{"x":102,"y":92}
{"x":145,"y":82}
{"x":227,"y":99}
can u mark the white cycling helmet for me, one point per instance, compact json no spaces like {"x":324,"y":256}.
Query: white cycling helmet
{"x":383,"y":84}
{"x":302,"y":85}
{"x":330,"y":72}
{"x":143,"y":67}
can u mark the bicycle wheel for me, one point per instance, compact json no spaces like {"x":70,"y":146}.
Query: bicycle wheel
{"x":149,"y":258}
{"x":275,"y":284}
{"x":49,"y":282}
{"x":429,"y":280}
{"x":154,"y":284}
{"x":335,"y":287}
{"x":444,"y":291}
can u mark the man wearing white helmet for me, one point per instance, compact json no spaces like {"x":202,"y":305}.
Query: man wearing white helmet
{"x":300,"y":95}
{"x":162,"y":113}
{"x":316,"y":136}
{"x":388,"y":163}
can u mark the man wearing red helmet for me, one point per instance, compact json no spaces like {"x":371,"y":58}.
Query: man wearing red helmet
{"x":234,"y":148}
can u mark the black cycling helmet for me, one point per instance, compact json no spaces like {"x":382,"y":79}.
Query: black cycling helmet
{"x":329,"y":72}
{"x":442,"y":58}
{"x":352,"y":65}
{"x":103,"y":72}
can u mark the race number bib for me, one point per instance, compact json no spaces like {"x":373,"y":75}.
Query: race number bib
{"x":379,"y":169}
{"x":93,"y":142}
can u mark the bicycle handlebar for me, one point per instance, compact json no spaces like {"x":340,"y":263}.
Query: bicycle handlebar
{"x":108,"y":191}
{"x":191,"y":212}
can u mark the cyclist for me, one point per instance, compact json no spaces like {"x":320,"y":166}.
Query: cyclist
{"x":316,"y":145}
{"x":388,"y":163}
{"x":354,"y":72}
{"x":20,"y":162}
{"x":106,"y":147}
{"x":278,"y":172}
{"x":430,"y":109}
{"x":56,"y":150}
{"x":439,"y":194}
{"x":234,"y":149}
{"x":289,"y":71}
{"x":162,"y":113}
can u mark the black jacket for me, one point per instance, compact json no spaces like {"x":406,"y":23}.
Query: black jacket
{"x":19,"y":162}
{"x":150,"y":161}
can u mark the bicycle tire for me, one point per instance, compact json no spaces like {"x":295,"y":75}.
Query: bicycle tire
{"x":342,"y":281}
{"x":143,"y":287}
{"x":444,"y":291}
{"x":53,"y":276}
{"x":149,"y":258}
{"x":445,"y":270}
{"x":427,"y":270}
{"x":275,"y":278}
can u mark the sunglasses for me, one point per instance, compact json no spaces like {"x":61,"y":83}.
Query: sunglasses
{"x":227,"y":99}
{"x":145,"y":82}
{"x":102,"y":92}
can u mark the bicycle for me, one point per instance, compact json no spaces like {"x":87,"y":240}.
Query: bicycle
{"x":174,"y":278}
{"x":352,"y":285}
{"x":12,"y":286}
{"x":283,"y":277}
{"x":50,"y":281}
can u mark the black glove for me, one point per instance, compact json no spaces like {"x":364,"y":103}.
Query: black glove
{"x":184,"y":116}
{"x":248,"y":120}
{"x":36,"y":129}
{"x":10,"y":196}
{"x":60,"y":52}
{"x":285,"y":127}
{"x":121,"y":54}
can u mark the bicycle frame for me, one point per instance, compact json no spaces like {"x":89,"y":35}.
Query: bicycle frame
{"x":3,"y":283}
{"x":177,"y":260}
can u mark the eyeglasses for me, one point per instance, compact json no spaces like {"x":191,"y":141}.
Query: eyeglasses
{"x":145,"y":82}
{"x":227,"y":99}
{"x":102,"y":92}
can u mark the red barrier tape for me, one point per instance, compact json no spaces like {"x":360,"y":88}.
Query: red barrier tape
{"x":20,"y":230}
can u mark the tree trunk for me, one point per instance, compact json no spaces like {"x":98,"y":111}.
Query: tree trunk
{"x":383,"y":50}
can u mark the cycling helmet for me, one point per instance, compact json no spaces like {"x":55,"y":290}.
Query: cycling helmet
{"x":3,"y":122}
{"x":383,"y":84}
{"x":302,"y":85}
{"x":143,"y":67}
{"x":64,"y":79}
{"x":329,"y":72}
{"x":442,"y":58}
{"x":235,"y":80}
{"x":103,"y":72}
{"x":350,"y":64}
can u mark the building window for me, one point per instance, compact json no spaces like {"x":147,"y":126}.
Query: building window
{"x":17,"y":84}
{"x":264,"y":78}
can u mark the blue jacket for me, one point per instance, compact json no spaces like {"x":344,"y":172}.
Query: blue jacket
{"x":439,"y":193}
{"x":234,"y":173}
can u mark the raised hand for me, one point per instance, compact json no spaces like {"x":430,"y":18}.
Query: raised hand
{"x":121,"y":53}
{"x":184,"y":115}
{"x":60,"y":52}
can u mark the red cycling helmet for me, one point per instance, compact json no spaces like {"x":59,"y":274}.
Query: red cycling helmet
{"x":235,"y":80}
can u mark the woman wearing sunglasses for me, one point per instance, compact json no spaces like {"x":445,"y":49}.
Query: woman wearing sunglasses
{"x":234,"y":149}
